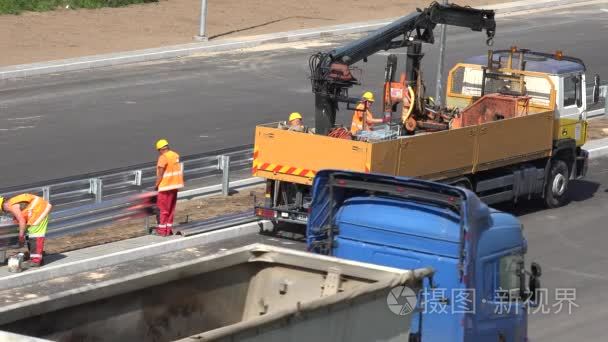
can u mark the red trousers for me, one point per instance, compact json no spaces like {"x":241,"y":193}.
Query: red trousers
{"x":36,"y":248}
{"x":166,"y":202}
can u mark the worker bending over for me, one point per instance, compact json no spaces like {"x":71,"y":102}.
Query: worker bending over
{"x":363,"y":110}
{"x":31,"y":213}
{"x":169,"y":178}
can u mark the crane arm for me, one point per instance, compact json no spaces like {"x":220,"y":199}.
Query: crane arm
{"x":330,"y":73}
{"x":419,"y":23}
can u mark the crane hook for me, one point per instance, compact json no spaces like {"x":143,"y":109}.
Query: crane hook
{"x":490,"y":41}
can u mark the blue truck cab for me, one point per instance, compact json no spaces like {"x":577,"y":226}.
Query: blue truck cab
{"x":478,"y":291}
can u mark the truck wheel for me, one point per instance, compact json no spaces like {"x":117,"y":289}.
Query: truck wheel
{"x":557,"y":185}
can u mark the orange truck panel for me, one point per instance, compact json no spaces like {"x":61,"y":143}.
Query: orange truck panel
{"x":296,"y":157}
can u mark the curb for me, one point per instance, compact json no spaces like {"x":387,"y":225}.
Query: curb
{"x":597,"y":148}
{"x":176,"y":51}
{"x":83,"y":265}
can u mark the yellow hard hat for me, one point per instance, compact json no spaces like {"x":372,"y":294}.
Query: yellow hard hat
{"x":295,"y":115}
{"x":368,"y":96}
{"x":161,"y":143}
{"x":1,"y":203}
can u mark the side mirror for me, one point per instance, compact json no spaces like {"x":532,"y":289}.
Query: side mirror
{"x":579,"y":90}
{"x":596,"y":89}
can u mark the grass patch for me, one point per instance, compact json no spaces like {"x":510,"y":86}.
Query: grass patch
{"x":18,"y":6}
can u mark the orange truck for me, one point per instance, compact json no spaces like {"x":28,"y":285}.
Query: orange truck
{"x":516,"y":132}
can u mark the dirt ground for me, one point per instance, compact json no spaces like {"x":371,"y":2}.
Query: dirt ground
{"x":34,"y":37}
{"x":196,"y":209}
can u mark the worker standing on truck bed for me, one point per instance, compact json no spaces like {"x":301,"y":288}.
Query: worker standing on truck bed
{"x":31,"y":212}
{"x":169,"y":178}
{"x":295,"y":122}
{"x":363,"y":109}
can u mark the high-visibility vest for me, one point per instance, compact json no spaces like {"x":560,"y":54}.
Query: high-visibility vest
{"x":173,"y":177}
{"x":357,"y":123}
{"x":33,"y":208}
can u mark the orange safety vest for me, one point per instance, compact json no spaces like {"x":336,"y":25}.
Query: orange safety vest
{"x":36,"y":208}
{"x":173,"y":178}
{"x":357,"y":124}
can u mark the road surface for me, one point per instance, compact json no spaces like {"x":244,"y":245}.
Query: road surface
{"x":61,"y":125}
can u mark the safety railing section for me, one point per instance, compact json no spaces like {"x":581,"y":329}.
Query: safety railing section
{"x":96,"y":199}
{"x":99,"y":187}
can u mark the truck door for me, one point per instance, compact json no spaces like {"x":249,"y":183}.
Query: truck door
{"x":501,"y":315}
{"x":572,"y":106}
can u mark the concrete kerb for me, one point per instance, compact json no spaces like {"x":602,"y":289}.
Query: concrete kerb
{"x":173,"y":244}
{"x":176,"y":51}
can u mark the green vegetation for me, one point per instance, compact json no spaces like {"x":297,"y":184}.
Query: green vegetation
{"x":18,"y":6}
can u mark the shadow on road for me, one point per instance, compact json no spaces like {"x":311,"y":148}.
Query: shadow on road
{"x":579,"y":191}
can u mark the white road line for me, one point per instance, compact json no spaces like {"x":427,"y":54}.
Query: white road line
{"x":598,"y":149}
{"x":25,"y":118}
{"x":604,"y":10}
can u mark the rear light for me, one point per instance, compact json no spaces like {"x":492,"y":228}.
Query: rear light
{"x":400,"y":189}
{"x":267,"y":213}
{"x":341,"y":182}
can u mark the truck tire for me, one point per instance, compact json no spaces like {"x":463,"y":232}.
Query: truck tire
{"x":556,"y":191}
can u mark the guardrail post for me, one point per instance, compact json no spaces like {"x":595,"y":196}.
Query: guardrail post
{"x":224,"y":165}
{"x":46,"y":193}
{"x":95,"y":188}
{"x":138,"y":175}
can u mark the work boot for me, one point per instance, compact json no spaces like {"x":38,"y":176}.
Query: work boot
{"x":35,"y":264}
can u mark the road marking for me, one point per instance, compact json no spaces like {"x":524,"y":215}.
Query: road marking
{"x":25,"y":118}
{"x":598,"y":148}
{"x":15,"y":128}
{"x":604,"y":10}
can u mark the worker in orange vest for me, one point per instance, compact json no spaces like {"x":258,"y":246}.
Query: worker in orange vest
{"x":363,"y":110}
{"x":31,"y":212}
{"x":169,"y":178}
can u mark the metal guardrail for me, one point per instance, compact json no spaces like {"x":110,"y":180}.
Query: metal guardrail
{"x":95,"y":199}
{"x":98,"y":187}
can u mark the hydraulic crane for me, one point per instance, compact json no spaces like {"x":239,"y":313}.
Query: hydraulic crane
{"x":332,"y":76}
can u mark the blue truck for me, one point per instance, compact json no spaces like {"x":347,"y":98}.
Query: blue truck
{"x":480,"y":291}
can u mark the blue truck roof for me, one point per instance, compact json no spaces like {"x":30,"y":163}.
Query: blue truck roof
{"x":426,"y":227}
{"x":535,"y":63}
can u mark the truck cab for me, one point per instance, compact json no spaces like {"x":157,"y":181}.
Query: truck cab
{"x":478,"y":291}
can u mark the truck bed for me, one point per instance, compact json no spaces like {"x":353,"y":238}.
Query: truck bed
{"x":251,"y":293}
{"x":296,"y":157}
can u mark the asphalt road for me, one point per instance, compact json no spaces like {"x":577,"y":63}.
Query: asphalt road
{"x":570,"y":245}
{"x":60,"y":125}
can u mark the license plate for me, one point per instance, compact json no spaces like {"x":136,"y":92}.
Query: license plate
{"x":284,"y":214}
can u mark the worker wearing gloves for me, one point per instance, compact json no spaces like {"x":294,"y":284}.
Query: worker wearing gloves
{"x":363,"y":110}
{"x":31,"y":212}
{"x":169,"y":178}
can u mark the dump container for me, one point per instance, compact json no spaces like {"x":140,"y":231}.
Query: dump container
{"x":253,"y":293}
